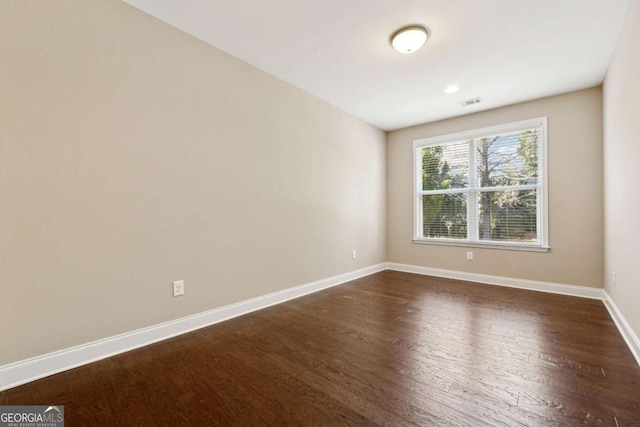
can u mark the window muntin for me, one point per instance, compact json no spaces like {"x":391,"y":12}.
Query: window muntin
{"x":483,"y":187}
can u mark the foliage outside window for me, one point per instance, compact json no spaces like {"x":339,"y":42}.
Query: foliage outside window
{"x":485,"y":187}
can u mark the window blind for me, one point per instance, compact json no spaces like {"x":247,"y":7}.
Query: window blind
{"x":483,"y":187}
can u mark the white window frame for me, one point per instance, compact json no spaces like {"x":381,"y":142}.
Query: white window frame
{"x":473,"y":240}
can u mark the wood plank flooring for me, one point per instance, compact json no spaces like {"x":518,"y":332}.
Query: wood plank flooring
{"x":389,"y":349}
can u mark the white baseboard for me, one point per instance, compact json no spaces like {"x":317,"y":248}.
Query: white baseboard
{"x":623,"y":326}
{"x":25,"y":371}
{"x":556,"y":288}
{"x":532,"y":285}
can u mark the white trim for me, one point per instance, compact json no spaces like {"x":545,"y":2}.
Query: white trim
{"x":482,"y":244}
{"x":533,"y":285}
{"x":28,"y":370}
{"x":621,"y":323}
{"x":543,"y":206}
{"x":623,"y":326}
{"x":473,"y":221}
{"x":480,"y":190}
{"x":417,"y":199}
{"x":478,"y":133}
{"x":542,"y":187}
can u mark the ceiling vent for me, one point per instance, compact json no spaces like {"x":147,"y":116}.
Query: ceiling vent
{"x":468,"y":102}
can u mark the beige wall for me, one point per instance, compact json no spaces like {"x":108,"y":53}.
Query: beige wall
{"x":132,"y":155}
{"x":575,"y":195}
{"x":622,"y":171}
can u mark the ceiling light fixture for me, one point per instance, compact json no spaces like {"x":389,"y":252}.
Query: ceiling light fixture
{"x":409,"y":39}
{"x":451,"y":89}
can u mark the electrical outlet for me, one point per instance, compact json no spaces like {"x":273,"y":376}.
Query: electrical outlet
{"x":469,"y":256}
{"x":354,"y":254}
{"x":178,"y":288}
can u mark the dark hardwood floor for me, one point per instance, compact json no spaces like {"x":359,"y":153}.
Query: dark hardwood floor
{"x":392,"y":348}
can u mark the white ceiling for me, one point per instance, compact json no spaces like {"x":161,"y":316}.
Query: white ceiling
{"x":503,"y":51}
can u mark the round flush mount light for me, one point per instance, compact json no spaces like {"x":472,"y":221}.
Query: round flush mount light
{"x":409,"y":39}
{"x":451,"y":89}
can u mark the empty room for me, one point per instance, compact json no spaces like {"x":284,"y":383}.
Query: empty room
{"x":415,"y":212}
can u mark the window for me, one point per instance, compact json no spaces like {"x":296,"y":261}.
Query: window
{"x":486,"y":187}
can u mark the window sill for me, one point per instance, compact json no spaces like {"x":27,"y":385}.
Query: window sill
{"x":492,"y":245}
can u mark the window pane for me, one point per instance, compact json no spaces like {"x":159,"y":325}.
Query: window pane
{"x":445,"y":166}
{"x":508,"y":159}
{"x":444,"y":216}
{"x":508,"y":216}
